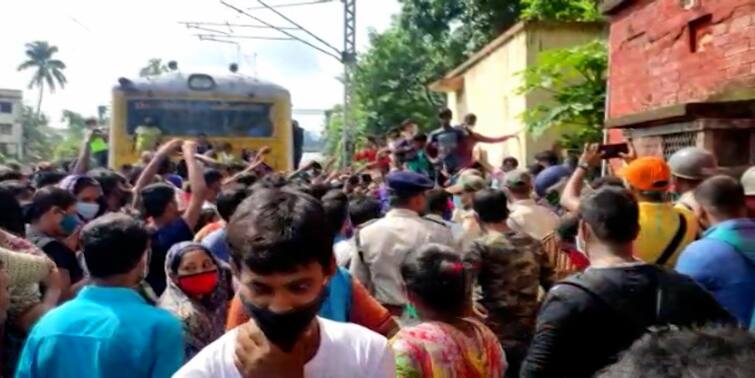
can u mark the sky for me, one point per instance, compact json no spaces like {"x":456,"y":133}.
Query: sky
{"x":101,"y":41}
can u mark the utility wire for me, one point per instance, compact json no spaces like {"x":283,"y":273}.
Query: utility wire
{"x":288,"y":5}
{"x":244,"y":37}
{"x":199,"y":23}
{"x":207,"y":29}
{"x":320,"y":49}
{"x":283,"y":16}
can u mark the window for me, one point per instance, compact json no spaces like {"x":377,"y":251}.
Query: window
{"x":6,"y":129}
{"x":195,"y":117}
{"x":6,"y":107}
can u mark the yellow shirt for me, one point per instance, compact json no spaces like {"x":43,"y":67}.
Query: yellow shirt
{"x":659,"y":223}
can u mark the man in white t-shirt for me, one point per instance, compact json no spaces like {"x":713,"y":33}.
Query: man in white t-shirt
{"x":284,"y":262}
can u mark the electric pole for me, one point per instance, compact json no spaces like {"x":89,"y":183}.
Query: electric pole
{"x":347,"y":56}
{"x":349,"y":59}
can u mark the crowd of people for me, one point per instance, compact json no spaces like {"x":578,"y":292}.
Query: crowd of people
{"x":420,"y":260}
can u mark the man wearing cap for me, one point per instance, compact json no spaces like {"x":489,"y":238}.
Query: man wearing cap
{"x":664,"y":229}
{"x":748,"y":182}
{"x":468,"y":183}
{"x":690,"y":166}
{"x":383,"y":244}
{"x":527,"y":216}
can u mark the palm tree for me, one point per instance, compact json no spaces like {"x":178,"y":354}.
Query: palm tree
{"x":154,"y":67}
{"x":48,"y":70}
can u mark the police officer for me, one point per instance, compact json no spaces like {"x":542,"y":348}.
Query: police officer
{"x":383,"y":244}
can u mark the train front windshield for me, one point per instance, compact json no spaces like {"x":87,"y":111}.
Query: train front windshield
{"x":213,"y":118}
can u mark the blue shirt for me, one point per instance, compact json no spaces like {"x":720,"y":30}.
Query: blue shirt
{"x":161,"y":241}
{"x":719,"y":262}
{"x":103,"y":333}
{"x":217,"y":243}
{"x":550,"y":176}
{"x":337,"y":305}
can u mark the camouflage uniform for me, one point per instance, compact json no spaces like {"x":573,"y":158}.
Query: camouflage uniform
{"x":509,"y":268}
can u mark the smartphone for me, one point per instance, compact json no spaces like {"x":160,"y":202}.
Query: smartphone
{"x":610,"y":151}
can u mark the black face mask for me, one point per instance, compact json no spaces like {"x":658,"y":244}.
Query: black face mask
{"x":284,"y":329}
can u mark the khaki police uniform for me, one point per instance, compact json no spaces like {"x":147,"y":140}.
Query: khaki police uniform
{"x":383,"y":246}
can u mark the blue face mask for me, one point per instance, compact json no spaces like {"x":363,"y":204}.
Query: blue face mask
{"x":69,"y":223}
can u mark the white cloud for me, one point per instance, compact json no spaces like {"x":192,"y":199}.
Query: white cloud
{"x":103,"y":40}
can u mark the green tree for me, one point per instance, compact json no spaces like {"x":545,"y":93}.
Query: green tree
{"x":68,"y":148}
{"x":576,"y":79}
{"x":154,"y":67}
{"x":560,"y":10}
{"x":39,"y":139}
{"x":46,"y":69}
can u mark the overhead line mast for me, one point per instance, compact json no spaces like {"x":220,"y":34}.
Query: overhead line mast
{"x":347,"y":56}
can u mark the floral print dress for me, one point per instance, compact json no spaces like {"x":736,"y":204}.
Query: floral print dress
{"x":441,"y":350}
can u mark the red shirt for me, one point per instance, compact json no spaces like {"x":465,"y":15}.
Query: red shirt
{"x":370,"y":155}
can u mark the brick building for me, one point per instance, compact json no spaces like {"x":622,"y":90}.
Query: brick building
{"x":682,"y":72}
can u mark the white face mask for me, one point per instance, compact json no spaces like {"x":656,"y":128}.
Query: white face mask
{"x":87,"y":210}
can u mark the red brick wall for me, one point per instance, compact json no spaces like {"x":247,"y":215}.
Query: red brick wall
{"x":652,"y":63}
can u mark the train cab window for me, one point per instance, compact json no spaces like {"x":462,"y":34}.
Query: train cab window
{"x":195,"y":117}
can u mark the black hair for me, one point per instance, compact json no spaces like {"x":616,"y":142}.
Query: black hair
{"x":336,"y":206}
{"x":363,"y":209}
{"x":18,"y":188}
{"x":491,"y":205}
{"x":133,"y":176}
{"x":247,"y":179}
{"x":353,"y":180}
{"x":90,"y":121}
{"x":470,"y":118}
{"x":607,"y":181}
{"x":420,"y":137}
{"x":568,"y":227}
{"x":710,"y":352}
{"x":400,"y":198}
{"x":182,"y":169}
{"x":436,"y":275}
{"x":278,"y":230}
{"x":365,"y":179}
{"x":318,"y":190}
{"x":47,"y":198}
{"x":8,"y":173}
{"x":47,"y":178}
{"x":445,"y":113}
{"x":547,"y":156}
{"x":83,"y":182}
{"x":437,"y":201}
{"x":511,"y":160}
{"x":166,"y":166}
{"x":109,"y":180}
{"x":12,"y":219}
{"x":113,"y":244}
{"x":206,"y":216}
{"x":271,"y":181}
{"x":156,"y":198}
{"x":535,"y":169}
{"x":722,"y":195}
{"x":229,"y":199}
{"x":612,"y":214}
{"x":212,"y":176}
